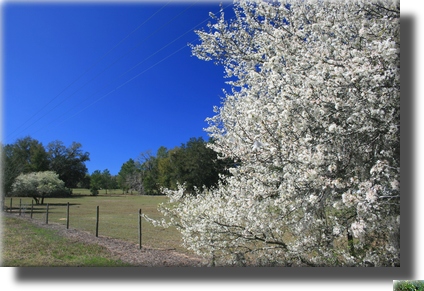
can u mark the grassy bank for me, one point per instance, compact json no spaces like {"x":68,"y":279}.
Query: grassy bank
{"x":24,"y":244}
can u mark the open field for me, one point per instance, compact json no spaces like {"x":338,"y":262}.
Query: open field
{"x":118,"y":216}
{"x":32,"y":246}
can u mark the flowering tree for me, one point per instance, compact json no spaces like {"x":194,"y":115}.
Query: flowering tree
{"x":39,"y":185}
{"x":313,"y":121}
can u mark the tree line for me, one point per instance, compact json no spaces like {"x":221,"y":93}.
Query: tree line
{"x":193,"y":164}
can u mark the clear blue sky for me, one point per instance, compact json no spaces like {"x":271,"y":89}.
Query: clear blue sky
{"x":67,"y":76}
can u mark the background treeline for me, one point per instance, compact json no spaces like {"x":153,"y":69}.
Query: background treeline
{"x":192,"y":163}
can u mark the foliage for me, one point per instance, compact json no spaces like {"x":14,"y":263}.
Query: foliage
{"x":28,"y":155}
{"x":167,"y":176}
{"x":196,"y":165}
{"x":96,"y":182}
{"x":129,"y":177}
{"x":149,"y":173}
{"x":408,"y":286}
{"x":39,"y":185}
{"x":313,"y":121}
{"x":24,"y":156}
{"x":68,"y":162}
{"x":193,"y":164}
{"x":102,"y":180}
{"x":85,"y":182}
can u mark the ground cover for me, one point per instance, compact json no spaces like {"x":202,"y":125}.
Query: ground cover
{"x":26,"y":245}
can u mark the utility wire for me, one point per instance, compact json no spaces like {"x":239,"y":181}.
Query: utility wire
{"x":141,"y":42}
{"x":132,"y":78}
{"x":128,"y":81}
{"x":80,"y":76}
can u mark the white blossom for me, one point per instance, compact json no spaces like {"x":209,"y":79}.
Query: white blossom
{"x":358,"y":229}
{"x":313,"y":122}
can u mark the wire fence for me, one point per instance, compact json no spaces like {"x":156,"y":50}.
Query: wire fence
{"x":88,"y":219}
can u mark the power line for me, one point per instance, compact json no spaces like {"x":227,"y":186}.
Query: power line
{"x":116,"y":60}
{"x":80,"y":76}
{"x":132,"y":78}
{"x":89,"y":81}
{"x":126,"y":82}
{"x":136,"y":76}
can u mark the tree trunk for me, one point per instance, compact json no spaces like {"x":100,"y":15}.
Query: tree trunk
{"x":36,"y":200}
{"x":350,"y":244}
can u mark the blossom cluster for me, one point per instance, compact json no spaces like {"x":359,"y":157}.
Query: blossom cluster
{"x":313,"y":121}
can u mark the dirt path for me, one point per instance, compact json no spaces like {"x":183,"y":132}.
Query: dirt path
{"x":126,"y":251}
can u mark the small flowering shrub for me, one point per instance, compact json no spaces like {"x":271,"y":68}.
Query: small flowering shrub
{"x":39,"y":185}
{"x":313,"y":123}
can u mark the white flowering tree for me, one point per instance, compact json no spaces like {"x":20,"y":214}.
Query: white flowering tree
{"x":313,"y":121}
{"x":39,"y":185}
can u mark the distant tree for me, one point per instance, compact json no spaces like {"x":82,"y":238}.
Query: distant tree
{"x":166,"y":172}
{"x":24,"y":156}
{"x":129,"y":177}
{"x":10,"y":168}
{"x":197,"y":165}
{"x":85,"y":182}
{"x":106,"y":180}
{"x":68,"y":162}
{"x":31,"y":155}
{"x":39,"y":185}
{"x":193,"y":164}
{"x":113,"y":182}
{"x":96,"y":182}
{"x":149,"y":172}
{"x":162,"y":153}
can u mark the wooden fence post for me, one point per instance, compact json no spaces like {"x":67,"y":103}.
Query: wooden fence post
{"x":97,"y":222}
{"x":47,"y":213}
{"x":32,"y":207}
{"x":139,"y":227}
{"x":20,"y":206}
{"x":10,"y":209}
{"x":67,"y":216}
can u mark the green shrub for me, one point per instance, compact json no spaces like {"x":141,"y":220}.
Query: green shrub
{"x":409,"y":286}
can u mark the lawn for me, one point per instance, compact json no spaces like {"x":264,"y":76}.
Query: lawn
{"x":118,"y":216}
{"x":25,"y":245}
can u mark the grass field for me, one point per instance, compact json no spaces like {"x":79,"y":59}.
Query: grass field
{"x":31,"y":246}
{"x":118,"y":216}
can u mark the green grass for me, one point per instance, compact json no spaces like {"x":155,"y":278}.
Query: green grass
{"x":25,"y":245}
{"x":409,"y":286}
{"x":118,"y":216}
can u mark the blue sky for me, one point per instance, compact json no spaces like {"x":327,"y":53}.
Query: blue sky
{"x":117,"y":78}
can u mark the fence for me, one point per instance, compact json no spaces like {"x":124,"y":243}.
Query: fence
{"x":43,"y":211}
